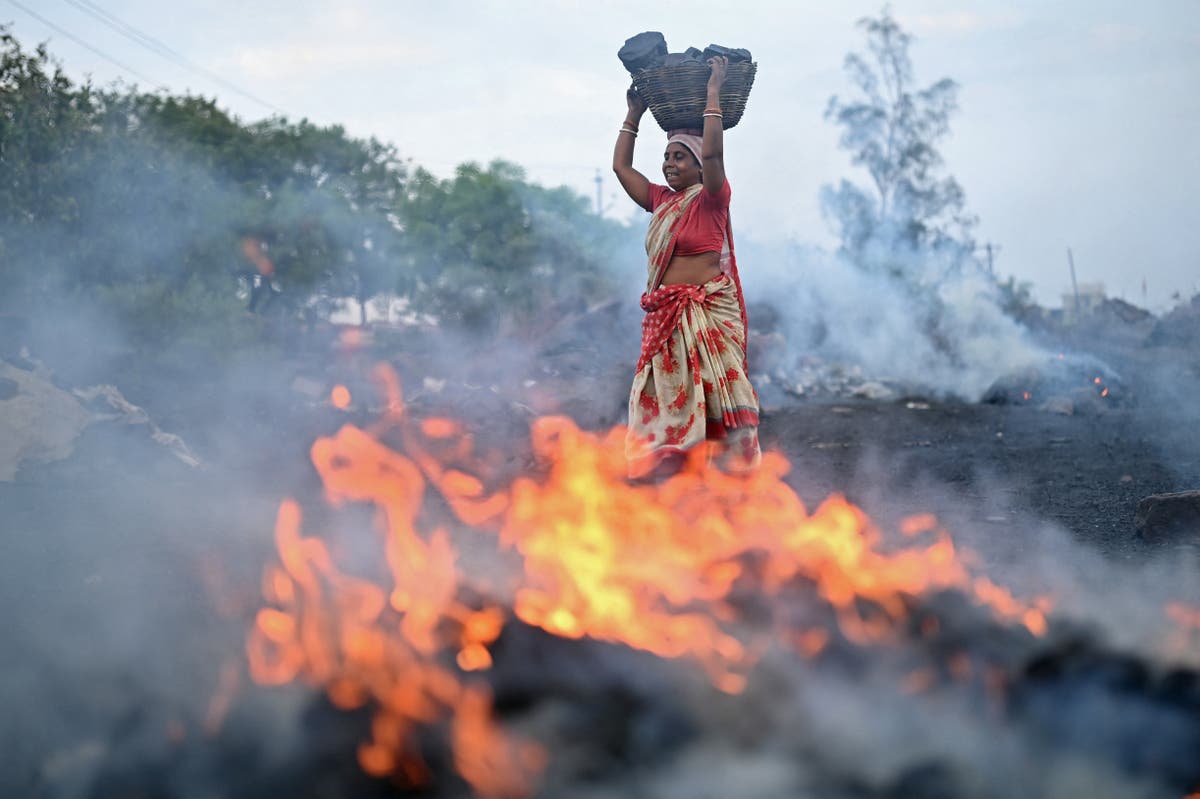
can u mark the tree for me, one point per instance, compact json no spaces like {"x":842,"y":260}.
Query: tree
{"x":487,"y":246}
{"x":43,"y":135}
{"x":892,"y":130}
{"x":154,"y":212}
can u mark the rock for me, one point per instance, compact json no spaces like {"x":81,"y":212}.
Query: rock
{"x":1161,"y":516}
{"x":873,"y":390}
{"x":39,"y":422}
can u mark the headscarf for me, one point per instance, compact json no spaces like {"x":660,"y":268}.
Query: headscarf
{"x":689,"y":140}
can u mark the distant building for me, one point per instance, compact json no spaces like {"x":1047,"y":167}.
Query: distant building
{"x":1083,"y":301}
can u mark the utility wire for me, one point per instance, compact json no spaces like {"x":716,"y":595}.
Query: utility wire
{"x":87,"y":46}
{"x":165,"y":51}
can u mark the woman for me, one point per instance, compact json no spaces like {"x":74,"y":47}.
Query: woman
{"x":691,"y":384}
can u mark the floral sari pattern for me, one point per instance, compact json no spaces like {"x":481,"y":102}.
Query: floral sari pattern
{"x":690,"y":384}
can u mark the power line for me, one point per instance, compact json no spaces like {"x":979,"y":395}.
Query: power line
{"x":87,"y":46}
{"x":157,"y":47}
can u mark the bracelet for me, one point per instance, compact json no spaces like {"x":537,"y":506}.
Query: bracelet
{"x":710,"y":114}
{"x":629,"y":131}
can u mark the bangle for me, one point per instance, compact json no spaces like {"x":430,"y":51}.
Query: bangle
{"x":711,"y":114}
{"x":629,"y":131}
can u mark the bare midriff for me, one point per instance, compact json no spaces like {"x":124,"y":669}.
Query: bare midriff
{"x":696,"y":269}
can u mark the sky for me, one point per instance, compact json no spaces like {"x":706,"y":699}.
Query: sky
{"x":1078,"y":125}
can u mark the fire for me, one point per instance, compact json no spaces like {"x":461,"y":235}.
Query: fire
{"x":1184,"y":641}
{"x":254,"y":251}
{"x":339,"y":397}
{"x":665,"y":568}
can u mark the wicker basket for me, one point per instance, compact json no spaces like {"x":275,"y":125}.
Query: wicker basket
{"x":676,"y":95}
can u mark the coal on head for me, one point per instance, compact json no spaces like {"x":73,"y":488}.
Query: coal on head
{"x":648,"y":50}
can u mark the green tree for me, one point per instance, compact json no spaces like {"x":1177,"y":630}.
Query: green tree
{"x":159,"y":211}
{"x":892,"y":129}
{"x":44,"y":132}
{"x":488,"y":246}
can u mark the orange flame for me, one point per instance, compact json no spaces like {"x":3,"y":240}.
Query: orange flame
{"x":1184,"y":641}
{"x":222,"y":698}
{"x":339,"y":397}
{"x":254,"y":251}
{"x":657,"y":567}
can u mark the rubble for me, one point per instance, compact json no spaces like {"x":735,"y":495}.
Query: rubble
{"x":122,"y":410}
{"x":1065,"y":385}
{"x":39,"y":422}
{"x":812,"y":378}
{"x":1180,"y":326}
{"x":1164,"y":516}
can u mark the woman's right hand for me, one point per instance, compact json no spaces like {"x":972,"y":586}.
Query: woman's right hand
{"x":637,"y":106}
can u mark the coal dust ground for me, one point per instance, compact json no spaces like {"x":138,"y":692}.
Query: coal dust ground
{"x":126,"y":576}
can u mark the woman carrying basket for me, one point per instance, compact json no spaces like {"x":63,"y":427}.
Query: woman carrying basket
{"x":691,"y":384}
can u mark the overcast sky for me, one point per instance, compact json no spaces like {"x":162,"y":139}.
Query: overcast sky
{"x":1079,"y":123}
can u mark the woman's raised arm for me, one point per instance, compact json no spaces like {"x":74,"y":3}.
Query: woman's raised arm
{"x":635,"y":183}
{"x":712,"y":145}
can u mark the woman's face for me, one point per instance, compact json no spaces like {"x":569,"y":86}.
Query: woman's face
{"x":680,"y":168}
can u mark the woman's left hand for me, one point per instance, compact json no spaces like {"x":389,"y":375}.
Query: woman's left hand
{"x":720,"y":67}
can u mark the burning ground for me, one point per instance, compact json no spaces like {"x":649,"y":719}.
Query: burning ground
{"x":435,"y":582}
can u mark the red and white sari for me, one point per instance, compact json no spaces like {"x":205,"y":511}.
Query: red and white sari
{"x":691,"y":384}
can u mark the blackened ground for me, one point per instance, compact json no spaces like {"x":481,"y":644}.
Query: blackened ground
{"x":127,"y":578}
{"x":1085,"y":473}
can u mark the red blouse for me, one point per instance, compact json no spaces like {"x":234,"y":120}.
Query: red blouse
{"x":702,"y":228}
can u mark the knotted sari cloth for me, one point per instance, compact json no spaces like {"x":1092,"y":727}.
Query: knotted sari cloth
{"x":690,"y":384}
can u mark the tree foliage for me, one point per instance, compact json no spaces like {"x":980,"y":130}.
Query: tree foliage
{"x":170,"y":215}
{"x":891,"y":129}
{"x":486,"y":241}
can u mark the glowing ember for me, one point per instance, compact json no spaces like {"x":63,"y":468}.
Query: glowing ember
{"x":255,"y":252}
{"x":339,"y":397}
{"x":222,"y":699}
{"x":1184,"y":642}
{"x":658,"y":567}
{"x":351,"y":338}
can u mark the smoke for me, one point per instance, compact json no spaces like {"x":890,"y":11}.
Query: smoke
{"x":128,"y":579}
{"x":941,"y":334}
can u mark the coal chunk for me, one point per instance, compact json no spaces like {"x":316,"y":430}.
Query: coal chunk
{"x":1162,"y":515}
{"x":648,"y":50}
{"x":734,"y":54}
{"x":688,"y":56}
{"x":643,"y":51}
